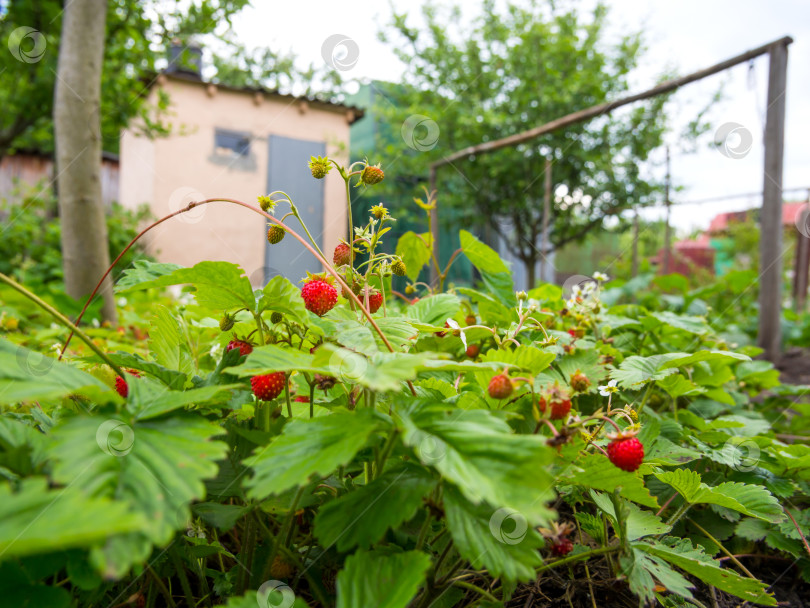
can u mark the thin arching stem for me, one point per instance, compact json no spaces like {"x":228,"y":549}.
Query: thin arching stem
{"x":255,"y":209}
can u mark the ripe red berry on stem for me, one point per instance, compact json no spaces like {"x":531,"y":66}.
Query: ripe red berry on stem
{"x":559,"y":407}
{"x":267,"y":387}
{"x":342,"y":255}
{"x":473,"y":350}
{"x":500,"y":387}
{"x":626,"y":452}
{"x":319,"y":296}
{"x":375,"y":300}
{"x":245,"y":347}
{"x":561,"y":547}
{"x":121,"y":386}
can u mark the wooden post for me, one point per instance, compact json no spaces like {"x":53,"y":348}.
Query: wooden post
{"x":634,"y":265}
{"x":802,"y":268}
{"x":667,"y":229}
{"x":434,"y":228}
{"x":770,"y":246}
{"x":544,"y":244}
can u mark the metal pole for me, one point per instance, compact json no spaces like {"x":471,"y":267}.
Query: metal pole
{"x":770,"y":282}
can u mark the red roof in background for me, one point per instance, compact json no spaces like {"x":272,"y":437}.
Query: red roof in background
{"x":790,"y":212}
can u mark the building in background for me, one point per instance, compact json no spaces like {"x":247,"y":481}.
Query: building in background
{"x":239,"y":144}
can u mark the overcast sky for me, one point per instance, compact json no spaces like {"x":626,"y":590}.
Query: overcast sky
{"x":685,"y":36}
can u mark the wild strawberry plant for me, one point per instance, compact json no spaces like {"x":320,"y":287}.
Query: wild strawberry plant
{"x":338,"y":444}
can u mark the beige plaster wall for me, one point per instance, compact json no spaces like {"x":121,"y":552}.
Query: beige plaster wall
{"x":170,"y":172}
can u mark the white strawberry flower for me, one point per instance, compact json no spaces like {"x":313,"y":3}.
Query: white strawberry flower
{"x":600,"y":276}
{"x":609,"y":388}
{"x":454,"y":324}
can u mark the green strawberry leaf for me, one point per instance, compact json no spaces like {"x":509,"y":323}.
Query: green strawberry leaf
{"x":500,"y":540}
{"x":361,"y":517}
{"x":395,"y":580}
{"x":479,"y":453}
{"x":307,"y":448}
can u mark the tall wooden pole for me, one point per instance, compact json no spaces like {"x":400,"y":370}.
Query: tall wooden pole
{"x":434,"y":228}
{"x":770,"y":246}
{"x":802,"y":268}
{"x":544,"y":247}
{"x":634,"y":266}
{"x":667,"y":229}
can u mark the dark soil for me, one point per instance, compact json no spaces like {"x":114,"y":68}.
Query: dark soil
{"x":569,"y":588}
{"x":795,"y":366}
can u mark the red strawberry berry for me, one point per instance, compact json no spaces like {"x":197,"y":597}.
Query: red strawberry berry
{"x":473,"y":350}
{"x":557,"y":398}
{"x":319,"y":296}
{"x":441,"y":334}
{"x":559,"y":409}
{"x":268,"y":386}
{"x":626,"y":452}
{"x":561,"y":547}
{"x":470,"y":320}
{"x":579,"y":382}
{"x":342,"y":255}
{"x":500,"y":387}
{"x":121,"y":386}
{"x":245,"y":347}
{"x":302,"y":399}
{"x":375,"y":300}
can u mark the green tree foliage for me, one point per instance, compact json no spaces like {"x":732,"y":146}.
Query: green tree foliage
{"x":138,"y":34}
{"x":508,"y":70}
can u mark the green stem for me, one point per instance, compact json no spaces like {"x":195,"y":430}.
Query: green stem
{"x":287,"y":396}
{"x":62,"y":319}
{"x":258,"y":318}
{"x":386,"y":451}
{"x":181,"y":574}
{"x":678,"y":514}
{"x":248,"y":548}
{"x":644,"y":398}
{"x":285,"y":528}
{"x":579,"y":556}
{"x":312,"y":400}
{"x":722,"y":548}
{"x":347,"y":180}
{"x":423,"y":532}
{"x":471,"y":587}
{"x":306,"y":230}
{"x":162,"y":586}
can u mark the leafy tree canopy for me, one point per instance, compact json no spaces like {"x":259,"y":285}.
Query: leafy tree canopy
{"x":508,"y":70}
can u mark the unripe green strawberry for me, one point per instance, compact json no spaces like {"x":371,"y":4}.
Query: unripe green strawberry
{"x":226,"y":322}
{"x":275,"y":234}
{"x":500,"y":387}
{"x":399,"y":268}
{"x":276,"y":317}
{"x":319,"y":166}
{"x":371,"y":175}
{"x":343,"y":255}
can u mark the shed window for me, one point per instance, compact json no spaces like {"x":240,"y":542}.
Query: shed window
{"x":231,"y":143}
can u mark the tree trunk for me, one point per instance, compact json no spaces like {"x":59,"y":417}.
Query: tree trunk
{"x":77,"y":126}
{"x":531,"y":268}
